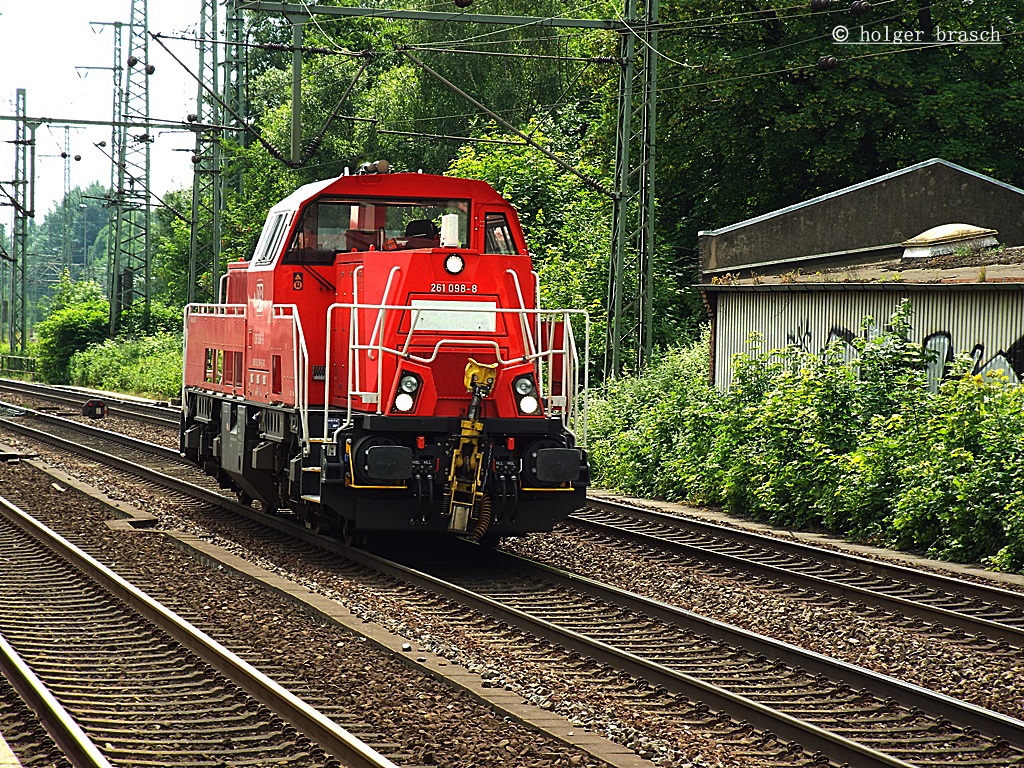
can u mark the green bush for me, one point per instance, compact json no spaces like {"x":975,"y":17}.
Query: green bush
{"x":648,"y":428}
{"x":790,"y":414}
{"x":79,"y":316}
{"x":161,"y":318}
{"x":812,"y":441}
{"x":149,"y":365}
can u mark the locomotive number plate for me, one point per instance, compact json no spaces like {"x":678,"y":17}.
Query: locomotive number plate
{"x":459,"y":315}
{"x":453,"y":288}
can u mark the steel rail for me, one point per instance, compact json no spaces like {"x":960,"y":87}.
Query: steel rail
{"x":131,"y":466}
{"x":152,"y":413}
{"x":334,"y":739}
{"x":65,"y":732}
{"x":112,"y":437}
{"x":908,"y":607}
{"x":992,"y":724}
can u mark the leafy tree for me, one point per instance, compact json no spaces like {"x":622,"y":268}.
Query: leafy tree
{"x":172,"y":243}
{"x":749,"y":124}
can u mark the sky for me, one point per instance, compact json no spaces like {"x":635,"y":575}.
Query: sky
{"x":42,"y":45}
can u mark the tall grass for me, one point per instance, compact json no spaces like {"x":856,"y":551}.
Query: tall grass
{"x":147,"y":365}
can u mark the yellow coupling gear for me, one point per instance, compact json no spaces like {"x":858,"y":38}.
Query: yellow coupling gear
{"x":467,"y":469}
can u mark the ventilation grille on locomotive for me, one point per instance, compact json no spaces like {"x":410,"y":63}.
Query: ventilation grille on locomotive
{"x":273,"y":423}
{"x":204,"y":409}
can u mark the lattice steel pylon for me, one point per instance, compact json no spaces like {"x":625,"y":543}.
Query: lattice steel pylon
{"x":631,"y":267}
{"x":233,"y":85}
{"x":24,"y":203}
{"x":130,"y":198}
{"x":204,"y":267}
{"x":92,"y":271}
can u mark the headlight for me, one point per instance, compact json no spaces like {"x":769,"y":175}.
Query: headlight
{"x":523,"y":385}
{"x":528,"y":404}
{"x":403,"y":402}
{"x":454,"y":264}
{"x":409,"y":383}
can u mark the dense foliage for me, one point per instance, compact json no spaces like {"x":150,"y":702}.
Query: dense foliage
{"x":747,"y":124}
{"x":813,"y":441}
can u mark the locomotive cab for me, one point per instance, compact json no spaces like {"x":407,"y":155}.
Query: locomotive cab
{"x":382,"y":363}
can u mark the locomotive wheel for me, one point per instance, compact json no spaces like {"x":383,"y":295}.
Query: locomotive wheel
{"x":350,"y":538}
{"x":244,"y":498}
{"x":348,"y":534}
{"x":268,"y":509}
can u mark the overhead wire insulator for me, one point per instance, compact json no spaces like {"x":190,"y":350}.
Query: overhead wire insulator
{"x":819,"y":5}
{"x":463,"y":3}
{"x":860,"y":7}
{"x":826,"y":63}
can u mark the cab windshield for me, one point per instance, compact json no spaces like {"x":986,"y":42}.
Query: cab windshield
{"x":330,"y":226}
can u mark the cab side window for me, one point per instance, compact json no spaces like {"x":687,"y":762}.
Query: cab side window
{"x":498,"y":235}
{"x":317,"y":238}
{"x":270,"y":238}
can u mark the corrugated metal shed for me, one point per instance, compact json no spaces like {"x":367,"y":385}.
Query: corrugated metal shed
{"x":985,"y":320}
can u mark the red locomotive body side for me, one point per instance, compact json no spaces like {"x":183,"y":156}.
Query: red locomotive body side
{"x":386,"y":337}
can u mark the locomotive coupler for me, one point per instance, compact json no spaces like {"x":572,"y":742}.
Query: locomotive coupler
{"x":465,"y":477}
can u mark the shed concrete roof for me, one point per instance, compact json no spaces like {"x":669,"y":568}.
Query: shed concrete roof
{"x":865,"y":221}
{"x":993,"y":269}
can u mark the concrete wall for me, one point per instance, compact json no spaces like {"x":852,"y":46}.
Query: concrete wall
{"x":866,"y":217}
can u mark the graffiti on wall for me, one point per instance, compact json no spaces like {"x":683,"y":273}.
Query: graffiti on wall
{"x":1009,"y":361}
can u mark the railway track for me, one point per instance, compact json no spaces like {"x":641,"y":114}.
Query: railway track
{"x":159,"y":414}
{"x":838,"y":711}
{"x":691,"y":669}
{"x":834,"y":709}
{"x":143,"y":686}
{"x":156,"y":463}
{"x":409,"y":737}
{"x":38,"y":718}
{"x":950,"y":604}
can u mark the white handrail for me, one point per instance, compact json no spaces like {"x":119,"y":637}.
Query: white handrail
{"x":353,"y":322}
{"x":381,"y":307}
{"x":527,"y":333}
{"x":571,"y":363}
{"x":300,"y":364}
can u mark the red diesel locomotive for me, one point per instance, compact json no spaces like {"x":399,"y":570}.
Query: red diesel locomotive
{"x":382,"y":363}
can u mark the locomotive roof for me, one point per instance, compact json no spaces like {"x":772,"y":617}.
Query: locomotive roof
{"x":393,"y":185}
